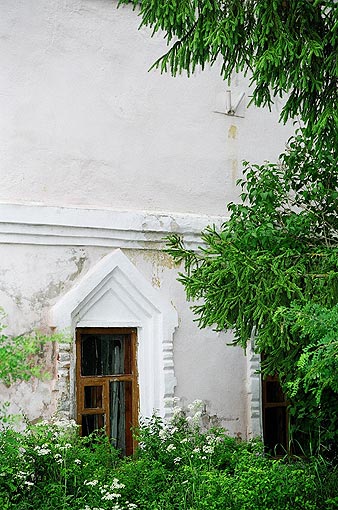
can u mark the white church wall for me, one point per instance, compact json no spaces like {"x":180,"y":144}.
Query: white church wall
{"x":33,"y":279}
{"x":97,"y":154}
{"x":84,"y":123}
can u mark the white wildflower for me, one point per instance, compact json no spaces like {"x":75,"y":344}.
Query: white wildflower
{"x":92,"y":482}
{"x":117,"y":485}
{"x":208,"y":449}
{"x":77,"y":461}
{"x":197,"y":415}
{"x":177,"y":411}
{"x":162,"y":434}
{"x":177,"y":460}
{"x":42,"y":451}
{"x":109,"y":497}
{"x":171,"y":448}
{"x":196,"y":405}
{"x":64,"y":447}
{"x":64,"y":424}
{"x":42,"y":423}
{"x":22,"y":474}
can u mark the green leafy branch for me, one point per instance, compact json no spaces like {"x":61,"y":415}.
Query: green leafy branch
{"x":19,"y":356}
{"x":271,"y":272}
{"x":288,"y":47}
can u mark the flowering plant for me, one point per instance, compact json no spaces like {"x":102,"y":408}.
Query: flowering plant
{"x":179,"y":465}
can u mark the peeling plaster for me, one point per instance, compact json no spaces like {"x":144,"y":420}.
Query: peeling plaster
{"x":158,"y":262}
{"x":14,"y":293}
{"x":161,"y":259}
{"x":55,"y":288}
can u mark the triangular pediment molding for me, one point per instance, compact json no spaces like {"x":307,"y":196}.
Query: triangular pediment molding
{"x":115,"y":294}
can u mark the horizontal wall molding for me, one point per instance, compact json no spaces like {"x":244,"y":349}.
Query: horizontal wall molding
{"x":72,"y":226}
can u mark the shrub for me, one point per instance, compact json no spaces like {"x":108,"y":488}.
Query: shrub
{"x":177,"y":466}
{"x":49,"y":466}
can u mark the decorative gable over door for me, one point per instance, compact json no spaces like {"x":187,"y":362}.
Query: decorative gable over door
{"x":114,"y":294}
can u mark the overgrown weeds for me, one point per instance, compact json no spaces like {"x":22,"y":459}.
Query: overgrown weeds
{"x":177,"y":466}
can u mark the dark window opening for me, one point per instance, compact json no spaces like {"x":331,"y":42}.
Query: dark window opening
{"x":107,"y":392}
{"x":275,"y":417}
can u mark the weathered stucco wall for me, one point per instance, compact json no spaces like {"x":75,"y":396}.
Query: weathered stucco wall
{"x":205,"y":368}
{"x":84,"y":123}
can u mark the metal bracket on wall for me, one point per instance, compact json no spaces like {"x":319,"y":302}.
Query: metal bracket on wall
{"x":230,"y":109}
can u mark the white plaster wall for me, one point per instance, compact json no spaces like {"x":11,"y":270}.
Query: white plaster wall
{"x":205,"y":367}
{"x":83,"y":122}
{"x":33,"y":278}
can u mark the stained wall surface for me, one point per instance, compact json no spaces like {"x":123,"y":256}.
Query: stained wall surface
{"x":85,"y":126}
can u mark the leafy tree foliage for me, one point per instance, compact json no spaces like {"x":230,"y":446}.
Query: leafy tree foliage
{"x":271,"y":271}
{"x":286,"y":46}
